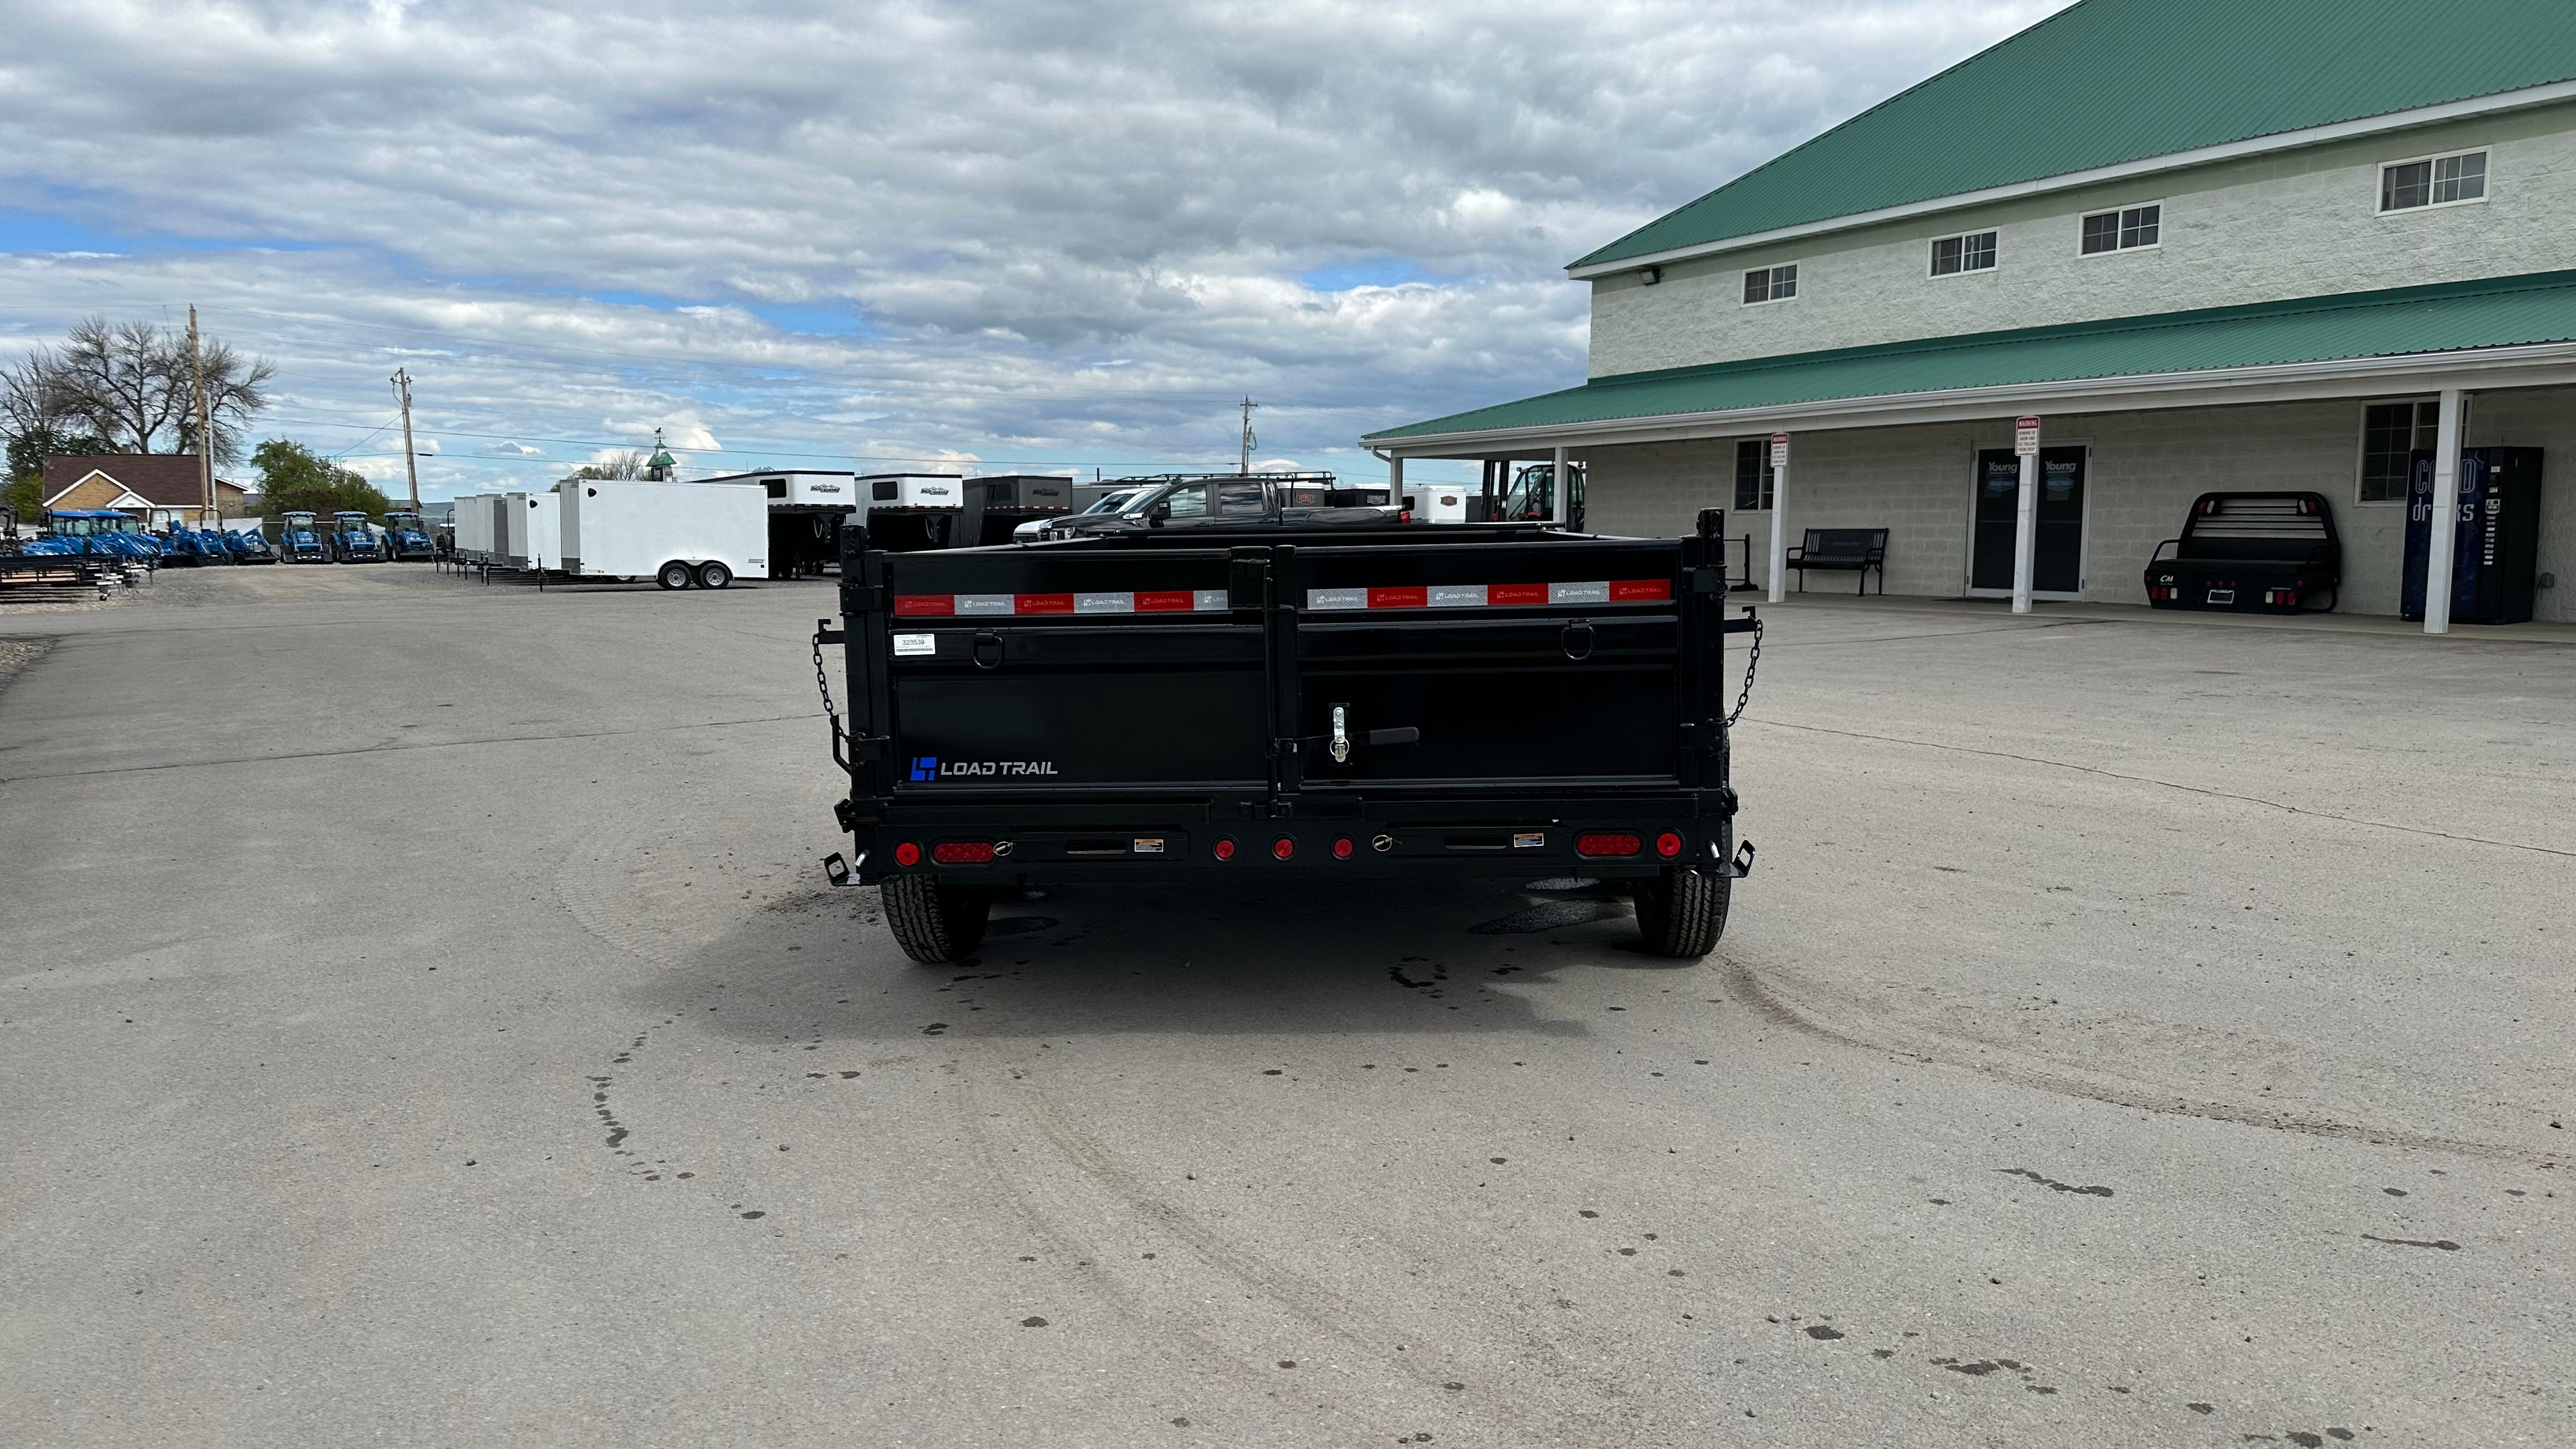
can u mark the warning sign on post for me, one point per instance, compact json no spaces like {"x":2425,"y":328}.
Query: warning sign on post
{"x":2025,"y":437}
{"x":1779,"y":450}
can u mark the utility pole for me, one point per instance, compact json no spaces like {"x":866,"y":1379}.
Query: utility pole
{"x":1248,"y":406}
{"x":205,"y":432}
{"x":411,"y":459}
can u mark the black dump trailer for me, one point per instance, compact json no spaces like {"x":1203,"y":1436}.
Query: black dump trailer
{"x":1502,"y":701}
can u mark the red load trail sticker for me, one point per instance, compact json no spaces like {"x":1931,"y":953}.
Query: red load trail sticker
{"x":1493,"y":596}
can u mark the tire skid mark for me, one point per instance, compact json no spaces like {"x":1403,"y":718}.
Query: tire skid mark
{"x":1007,"y":1114}
{"x":1926,"y":1045}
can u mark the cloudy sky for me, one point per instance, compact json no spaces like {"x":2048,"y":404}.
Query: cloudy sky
{"x":1014,"y":235}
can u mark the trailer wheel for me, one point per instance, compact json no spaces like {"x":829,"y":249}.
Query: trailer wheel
{"x":1682,"y":912}
{"x":713,"y":575}
{"x":675,"y":575}
{"x":935,"y":923}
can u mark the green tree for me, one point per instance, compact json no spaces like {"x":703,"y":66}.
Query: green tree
{"x":293,"y":478}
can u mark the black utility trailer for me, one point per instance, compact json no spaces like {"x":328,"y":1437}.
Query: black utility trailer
{"x":1397,"y":702}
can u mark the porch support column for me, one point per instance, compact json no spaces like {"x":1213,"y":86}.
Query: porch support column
{"x":2443,"y":531}
{"x":1395,"y":479}
{"x":1779,"y":526}
{"x":1561,"y":493}
{"x":2025,"y":532}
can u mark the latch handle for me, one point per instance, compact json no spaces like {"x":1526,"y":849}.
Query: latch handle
{"x":1341,"y":735}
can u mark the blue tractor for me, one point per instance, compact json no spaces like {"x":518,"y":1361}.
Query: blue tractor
{"x":299,"y":538}
{"x":248,"y":547}
{"x":352,"y":541}
{"x":194,"y":548}
{"x":407,"y":539}
{"x":96,"y":531}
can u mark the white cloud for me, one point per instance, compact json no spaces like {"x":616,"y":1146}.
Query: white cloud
{"x":897,"y":233}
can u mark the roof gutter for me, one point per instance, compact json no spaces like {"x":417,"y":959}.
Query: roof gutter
{"x":2540,"y":364}
{"x":2148,"y":166}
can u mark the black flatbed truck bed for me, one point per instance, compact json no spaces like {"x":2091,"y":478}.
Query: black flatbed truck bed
{"x":1405,"y":702}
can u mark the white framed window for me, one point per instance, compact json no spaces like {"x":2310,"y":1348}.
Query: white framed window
{"x":2391,"y":432}
{"x":2426,"y":181}
{"x":1753,"y":475}
{"x":2125,"y":229}
{"x":1771,"y":284}
{"x":1971,"y":252}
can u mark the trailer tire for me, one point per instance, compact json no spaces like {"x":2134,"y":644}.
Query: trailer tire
{"x":675,"y":575}
{"x":1682,"y":912}
{"x":935,"y":924}
{"x":714,"y":575}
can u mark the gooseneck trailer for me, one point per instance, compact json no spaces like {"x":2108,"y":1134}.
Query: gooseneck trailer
{"x":1291,"y":705}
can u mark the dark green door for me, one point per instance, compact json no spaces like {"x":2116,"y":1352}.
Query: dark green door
{"x":2057,"y":566}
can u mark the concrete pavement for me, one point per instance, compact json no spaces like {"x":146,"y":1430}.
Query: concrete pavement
{"x":423,"y":1022}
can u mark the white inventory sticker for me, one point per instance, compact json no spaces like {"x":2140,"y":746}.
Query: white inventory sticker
{"x":916,"y":644}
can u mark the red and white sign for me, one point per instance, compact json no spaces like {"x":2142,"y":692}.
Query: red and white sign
{"x":2026,"y":437}
{"x":1494,"y":596}
{"x":1779,"y":450}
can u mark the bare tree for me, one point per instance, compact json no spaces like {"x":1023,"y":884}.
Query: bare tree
{"x":132,"y":384}
{"x":623,"y":464}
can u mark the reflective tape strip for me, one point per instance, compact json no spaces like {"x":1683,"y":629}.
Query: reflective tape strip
{"x":1492,"y":596}
{"x":1144,"y":601}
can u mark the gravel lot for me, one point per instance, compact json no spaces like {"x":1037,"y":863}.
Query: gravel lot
{"x":423,"y":1022}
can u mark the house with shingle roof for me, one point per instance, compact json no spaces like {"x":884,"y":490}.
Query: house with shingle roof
{"x":159,"y":488}
{"x":2301,"y":245}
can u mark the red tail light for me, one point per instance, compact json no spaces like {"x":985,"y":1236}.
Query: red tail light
{"x":1405,"y":517}
{"x":1282,"y":848}
{"x":1608,"y":843}
{"x":1225,"y":847}
{"x":1668,"y":845}
{"x":907,"y":854}
{"x":962,"y":852}
{"x":1342,"y":848}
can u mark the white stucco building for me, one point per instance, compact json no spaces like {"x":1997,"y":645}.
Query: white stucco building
{"x":2212,"y":246}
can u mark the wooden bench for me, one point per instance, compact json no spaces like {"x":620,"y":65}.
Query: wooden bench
{"x":2273,"y":553}
{"x":1857,"y":550}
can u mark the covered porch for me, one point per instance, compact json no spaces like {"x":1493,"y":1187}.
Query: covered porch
{"x":2137,"y":416}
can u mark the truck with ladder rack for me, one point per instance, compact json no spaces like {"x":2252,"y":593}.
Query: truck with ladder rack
{"x":1384,"y":703}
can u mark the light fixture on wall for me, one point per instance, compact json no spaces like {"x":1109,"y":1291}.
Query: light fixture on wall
{"x":1649,"y":276}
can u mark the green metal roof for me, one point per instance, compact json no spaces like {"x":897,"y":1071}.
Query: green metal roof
{"x":2111,"y":81}
{"x":2446,"y":317}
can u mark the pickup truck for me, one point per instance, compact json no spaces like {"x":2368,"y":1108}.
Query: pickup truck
{"x":1288,"y":704}
{"x":1236,"y":501}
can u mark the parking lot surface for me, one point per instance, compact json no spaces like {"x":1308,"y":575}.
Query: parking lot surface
{"x":423,"y":1021}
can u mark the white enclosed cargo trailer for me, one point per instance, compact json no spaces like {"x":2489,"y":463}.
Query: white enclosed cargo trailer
{"x":799,"y":487}
{"x":474,"y":527}
{"x":677,"y":534}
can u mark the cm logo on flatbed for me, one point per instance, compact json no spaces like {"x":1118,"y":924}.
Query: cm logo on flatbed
{"x":926,"y":768}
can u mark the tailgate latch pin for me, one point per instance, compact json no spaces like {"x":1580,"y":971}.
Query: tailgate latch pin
{"x":1341,"y":736}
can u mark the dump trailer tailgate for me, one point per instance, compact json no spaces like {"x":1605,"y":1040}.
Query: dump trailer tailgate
{"x":1396,"y":702}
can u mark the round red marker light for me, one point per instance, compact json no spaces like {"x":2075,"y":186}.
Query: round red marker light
{"x":1342,"y":848}
{"x":907,"y":854}
{"x":1668,"y":845}
{"x":1224,"y":848}
{"x":1283,"y":847}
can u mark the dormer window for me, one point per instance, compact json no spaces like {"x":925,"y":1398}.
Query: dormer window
{"x":1771,"y":284}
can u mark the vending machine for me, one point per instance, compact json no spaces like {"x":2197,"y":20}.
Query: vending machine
{"x":2494,"y":537}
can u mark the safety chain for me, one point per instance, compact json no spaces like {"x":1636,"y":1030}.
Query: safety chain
{"x":1752,"y":662}
{"x":823,"y":682}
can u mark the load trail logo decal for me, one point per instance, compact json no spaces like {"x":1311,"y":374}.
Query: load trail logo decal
{"x":927,"y":768}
